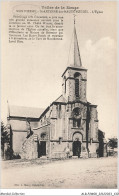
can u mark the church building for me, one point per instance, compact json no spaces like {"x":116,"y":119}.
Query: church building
{"x":66,"y":128}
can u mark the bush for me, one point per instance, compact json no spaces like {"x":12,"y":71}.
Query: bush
{"x":8,"y":153}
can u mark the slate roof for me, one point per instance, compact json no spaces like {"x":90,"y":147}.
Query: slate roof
{"x":74,"y":59}
{"x":21,"y":111}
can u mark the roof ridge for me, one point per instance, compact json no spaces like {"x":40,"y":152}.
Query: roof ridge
{"x":25,"y":111}
{"x":58,"y":98}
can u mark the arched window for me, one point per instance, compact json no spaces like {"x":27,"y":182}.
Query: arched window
{"x":76,"y":77}
{"x":77,"y":87}
{"x":77,"y":117}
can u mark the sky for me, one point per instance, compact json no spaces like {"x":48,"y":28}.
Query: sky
{"x":31,"y":72}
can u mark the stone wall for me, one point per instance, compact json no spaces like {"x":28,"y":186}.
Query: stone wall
{"x":92,"y":149}
{"x":29,"y":149}
{"x":93,"y":124}
{"x":69,"y":81}
{"x":58,"y":149}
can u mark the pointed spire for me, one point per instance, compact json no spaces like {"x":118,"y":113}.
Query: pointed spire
{"x":77,"y":58}
{"x":74,"y":53}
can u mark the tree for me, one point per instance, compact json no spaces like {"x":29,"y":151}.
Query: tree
{"x":113,"y":142}
{"x":4,"y":134}
{"x":5,"y":139}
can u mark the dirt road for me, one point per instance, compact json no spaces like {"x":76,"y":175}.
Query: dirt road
{"x":73,"y":173}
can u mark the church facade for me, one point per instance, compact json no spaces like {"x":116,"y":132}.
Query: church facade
{"x":66,"y":128}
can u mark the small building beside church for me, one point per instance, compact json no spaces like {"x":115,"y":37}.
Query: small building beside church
{"x":68,"y":127}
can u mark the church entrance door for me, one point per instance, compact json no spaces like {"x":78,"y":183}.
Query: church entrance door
{"x":76,"y":148}
{"x":42,"y":149}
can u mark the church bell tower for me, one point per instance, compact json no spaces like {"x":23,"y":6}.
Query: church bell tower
{"x":75,"y":75}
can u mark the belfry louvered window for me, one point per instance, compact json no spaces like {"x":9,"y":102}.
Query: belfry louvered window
{"x":77,"y":87}
{"x":77,"y":78}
